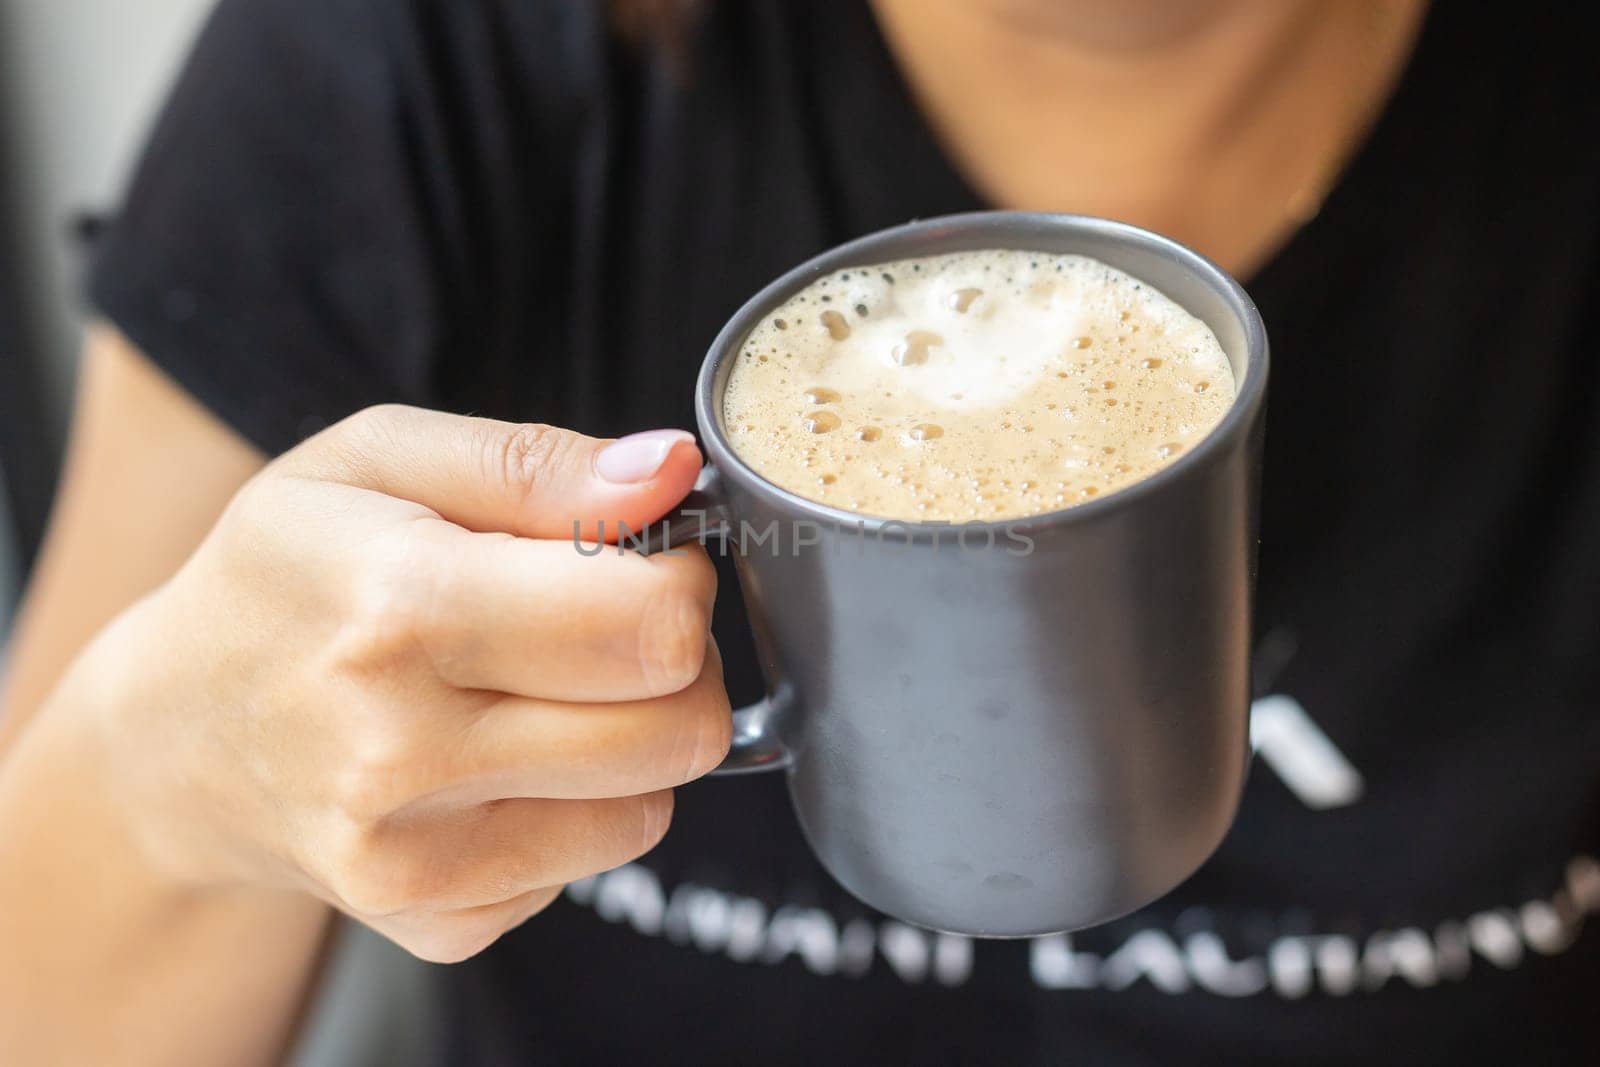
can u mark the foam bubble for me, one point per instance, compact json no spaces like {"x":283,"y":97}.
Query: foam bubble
{"x":978,"y":385}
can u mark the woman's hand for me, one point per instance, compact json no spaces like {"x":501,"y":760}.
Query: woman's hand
{"x":389,"y":678}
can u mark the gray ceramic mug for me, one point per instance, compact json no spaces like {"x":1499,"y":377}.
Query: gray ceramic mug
{"x":1015,"y":728}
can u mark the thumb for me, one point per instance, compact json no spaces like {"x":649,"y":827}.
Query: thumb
{"x":520,"y":478}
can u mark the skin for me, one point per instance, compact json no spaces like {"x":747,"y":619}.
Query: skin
{"x":373,"y":676}
{"x":384,"y":682}
{"x":1217,"y":122}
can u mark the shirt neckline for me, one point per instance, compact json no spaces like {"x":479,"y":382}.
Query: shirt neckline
{"x":908,"y":145}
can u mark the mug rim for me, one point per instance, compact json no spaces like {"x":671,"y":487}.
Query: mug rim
{"x":1248,"y":396}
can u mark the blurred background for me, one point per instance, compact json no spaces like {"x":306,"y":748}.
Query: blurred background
{"x":79,"y":83}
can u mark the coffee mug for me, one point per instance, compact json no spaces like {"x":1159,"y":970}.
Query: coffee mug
{"x":1014,"y":728}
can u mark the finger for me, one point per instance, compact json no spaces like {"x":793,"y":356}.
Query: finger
{"x":529,"y":748}
{"x":507,"y":915}
{"x":483,"y":855}
{"x":520,"y":478}
{"x":542,"y":619}
{"x":453,"y":936}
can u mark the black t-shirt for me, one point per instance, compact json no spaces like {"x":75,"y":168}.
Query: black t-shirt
{"x":493,"y":206}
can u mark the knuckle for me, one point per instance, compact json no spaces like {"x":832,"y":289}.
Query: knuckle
{"x":524,"y":458}
{"x":370,"y":879}
{"x":402,"y":610}
{"x":254,"y":513}
{"x":376,"y":879}
{"x":361,"y":895}
{"x":254,"y":501}
{"x":374,"y":770}
{"x":375,"y":422}
{"x":352,"y":441}
{"x":389,"y":612}
{"x":673,"y":630}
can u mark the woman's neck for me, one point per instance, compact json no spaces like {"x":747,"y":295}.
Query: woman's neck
{"x":1217,"y":121}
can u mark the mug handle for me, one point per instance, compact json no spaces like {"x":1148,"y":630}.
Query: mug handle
{"x":701,"y":514}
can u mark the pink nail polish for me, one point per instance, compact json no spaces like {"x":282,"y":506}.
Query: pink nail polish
{"x":637,"y":457}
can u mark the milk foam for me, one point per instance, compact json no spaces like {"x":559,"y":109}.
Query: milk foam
{"x":976,"y":385}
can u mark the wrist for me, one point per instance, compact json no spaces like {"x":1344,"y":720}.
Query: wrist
{"x":76,"y":785}
{"x":90,"y":913}
{"x":111,"y":742}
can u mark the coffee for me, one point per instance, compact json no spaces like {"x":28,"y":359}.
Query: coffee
{"x":983,"y":385}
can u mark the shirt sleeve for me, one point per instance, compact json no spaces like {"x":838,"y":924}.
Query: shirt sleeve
{"x":285,"y":249}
